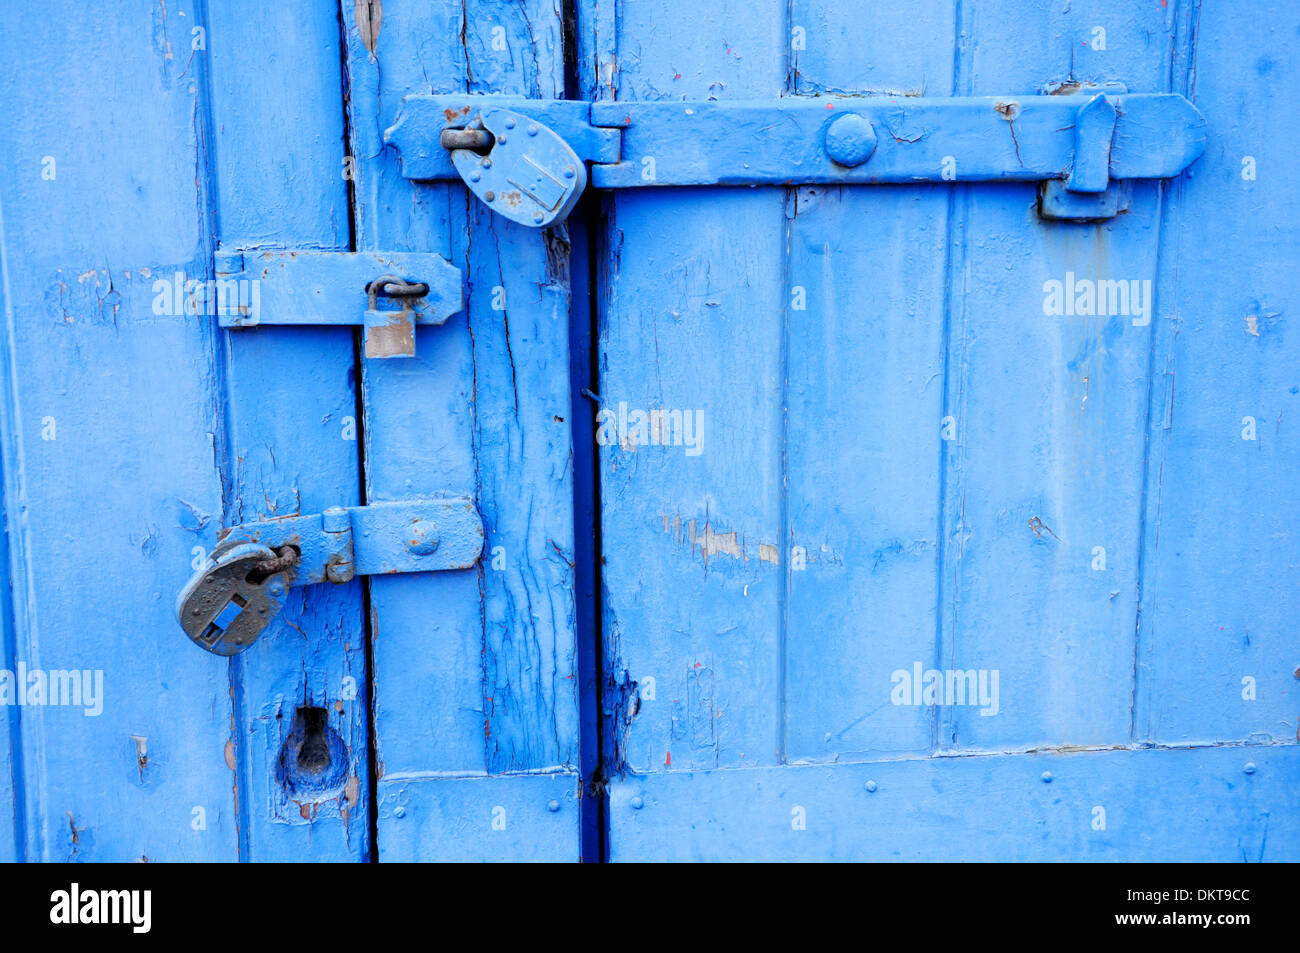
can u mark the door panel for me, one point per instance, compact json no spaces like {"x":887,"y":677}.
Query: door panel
{"x":912,"y":462}
{"x":692,"y":600}
{"x":110,"y":422}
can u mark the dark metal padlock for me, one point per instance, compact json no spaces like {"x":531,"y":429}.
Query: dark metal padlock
{"x":227,"y":604}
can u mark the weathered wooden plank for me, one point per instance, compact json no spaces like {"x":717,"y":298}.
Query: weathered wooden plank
{"x":12,"y":780}
{"x":865,"y":323}
{"x":690,"y":310}
{"x":427,"y":632}
{"x":1047,"y":401}
{"x":865,"y":392}
{"x":475,"y":672}
{"x":291,"y":432}
{"x":518,"y":818}
{"x":1217,"y":646}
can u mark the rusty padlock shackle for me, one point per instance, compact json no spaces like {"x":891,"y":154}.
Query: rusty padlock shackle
{"x":392,"y":286}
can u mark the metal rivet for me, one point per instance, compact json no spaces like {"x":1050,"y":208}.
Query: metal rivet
{"x":399,"y":811}
{"x":871,"y":787}
{"x":532,"y":129}
{"x":553,"y":806}
{"x":1250,"y":767}
{"x":474,"y":176}
{"x":510,"y":124}
{"x":1047,"y":777}
{"x":490,"y":196}
{"x":486,"y":163}
{"x":637,"y":803}
{"x":850,"y":139}
{"x":501,"y":138}
{"x":537,"y":218}
{"x":568,"y":171}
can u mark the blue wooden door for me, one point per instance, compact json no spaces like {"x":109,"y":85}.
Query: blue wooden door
{"x":950,"y":569}
{"x":911,"y":524}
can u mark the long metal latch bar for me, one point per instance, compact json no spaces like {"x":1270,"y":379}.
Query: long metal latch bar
{"x":1084,"y":142}
{"x":261,"y":286}
{"x":244,"y":582}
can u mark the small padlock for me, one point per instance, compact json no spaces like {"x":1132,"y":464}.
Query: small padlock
{"x":227,"y":604}
{"x":388,"y":333}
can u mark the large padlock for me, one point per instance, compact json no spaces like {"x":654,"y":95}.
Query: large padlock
{"x":228,"y":602}
{"x":530,"y":175}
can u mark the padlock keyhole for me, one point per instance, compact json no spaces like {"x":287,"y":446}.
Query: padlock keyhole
{"x":225,"y":619}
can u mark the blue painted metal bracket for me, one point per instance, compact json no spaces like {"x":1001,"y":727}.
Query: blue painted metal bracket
{"x":373,"y":540}
{"x":242,"y":585}
{"x":1084,"y":142}
{"x":417,"y":133}
{"x":326,"y":287}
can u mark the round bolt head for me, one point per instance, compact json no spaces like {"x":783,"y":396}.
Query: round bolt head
{"x":399,"y":811}
{"x":1250,"y":767}
{"x":502,"y":138}
{"x":637,"y":803}
{"x":553,"y":806}
{"x":532,"y":129}
{"x":510,"y":124}
{"x":474,"y":176}
{"x":1047,"y":777}
{"x":490,"y":196}
{"x":850,"y":139}
{"x":422,"y":538}
{"x":486,"y":163}
{"x":871,"y":787}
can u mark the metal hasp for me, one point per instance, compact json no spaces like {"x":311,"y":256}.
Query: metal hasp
{"x":255,"y":287}
{"x":243,"y":584}
{"x":1080,"y":143}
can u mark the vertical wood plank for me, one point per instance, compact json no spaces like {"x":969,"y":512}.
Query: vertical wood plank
{"x":290,"y":435}
{"x":691,"y":322}
{"x":865,"y":336}
{"x":1043,"y":476}
{"x":1217,"y":649}
{"x":475,"y":672}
